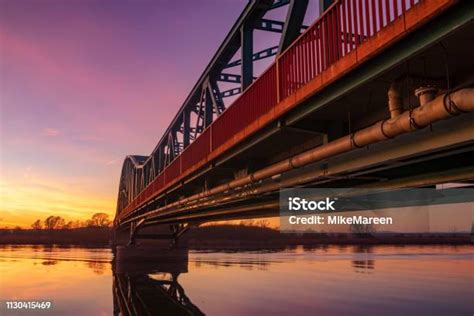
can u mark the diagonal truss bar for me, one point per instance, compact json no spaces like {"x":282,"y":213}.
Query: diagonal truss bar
{"x":230,"y":92}
{"x":270,"y":25}
{"x":230,"y":78}
{"x":294,"y":23}
{"x":265,"y":53}
{"x":279,"y":3}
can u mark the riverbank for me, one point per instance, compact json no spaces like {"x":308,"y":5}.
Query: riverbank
{"x":234,"y":236}
{"x":230,"y":236}
{"x":97,"y":236}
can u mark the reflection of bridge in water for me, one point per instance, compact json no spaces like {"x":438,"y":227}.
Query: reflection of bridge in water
{"x":146,"y":278}
{"x":151,"y":287}
{"x":372,"y":93}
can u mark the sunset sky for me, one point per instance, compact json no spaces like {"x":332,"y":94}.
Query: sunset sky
{"x":83,"y":84}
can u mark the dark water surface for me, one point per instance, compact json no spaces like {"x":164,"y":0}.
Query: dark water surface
{"x":330,"y":280}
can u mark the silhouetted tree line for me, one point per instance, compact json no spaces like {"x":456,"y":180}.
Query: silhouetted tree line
{"x":57,"y":222}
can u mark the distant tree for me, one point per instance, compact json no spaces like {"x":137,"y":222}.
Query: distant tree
{"x":362,"y":230}
{"x":100,"y":220}
{"x":54,"y":222}
{"x":263,"y":223}
{"x":37,"y":224}
{"x":249,"y":222}
{"x":78,"y":224}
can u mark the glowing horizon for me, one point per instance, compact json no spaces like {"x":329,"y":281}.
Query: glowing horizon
{"x":82,"y":85}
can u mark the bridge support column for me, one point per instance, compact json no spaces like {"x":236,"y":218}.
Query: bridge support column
{"x":178,"y":231}
{"x":172,"y":236}
{"x":134,"y":227}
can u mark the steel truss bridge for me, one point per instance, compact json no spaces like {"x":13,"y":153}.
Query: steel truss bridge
{"x":373,"y":93}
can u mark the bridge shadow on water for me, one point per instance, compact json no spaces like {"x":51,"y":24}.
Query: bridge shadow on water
{"x":145,"y":282}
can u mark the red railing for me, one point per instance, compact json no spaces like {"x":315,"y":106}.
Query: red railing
{"x":258,"y":99}
{"x":173,"y":170}
{"x":196,"y":153}
{"x":339,"y":31}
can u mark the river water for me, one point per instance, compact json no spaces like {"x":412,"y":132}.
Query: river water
{"x":329,"y":280}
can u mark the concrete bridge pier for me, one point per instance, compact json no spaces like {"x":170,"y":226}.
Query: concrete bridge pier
{"x":142,"y":255}
{"x":168,"y":234}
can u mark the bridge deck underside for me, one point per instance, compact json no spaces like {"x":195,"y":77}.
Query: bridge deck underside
{"x":443,"y":154}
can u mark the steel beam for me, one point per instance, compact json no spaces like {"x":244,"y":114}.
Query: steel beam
{"x":294,"y":23}
{"x":265,"y":53}
{"x":247,"y":55}
{"x":216,"y":99}
{"x":230,"y":92}
{"x":270,"y":25}
{"x":186,"y":128}
{"x":279,"y":3}
{"x":271,"y":208}
{"x":324,"y":5}
{"x":225,"y":77}
{"x":208,"y":112}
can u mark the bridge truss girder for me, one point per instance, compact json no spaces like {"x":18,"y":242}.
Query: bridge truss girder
{"x":206,"y":101}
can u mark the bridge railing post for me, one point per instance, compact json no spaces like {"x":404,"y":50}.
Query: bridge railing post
{"x":277,"y":76}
